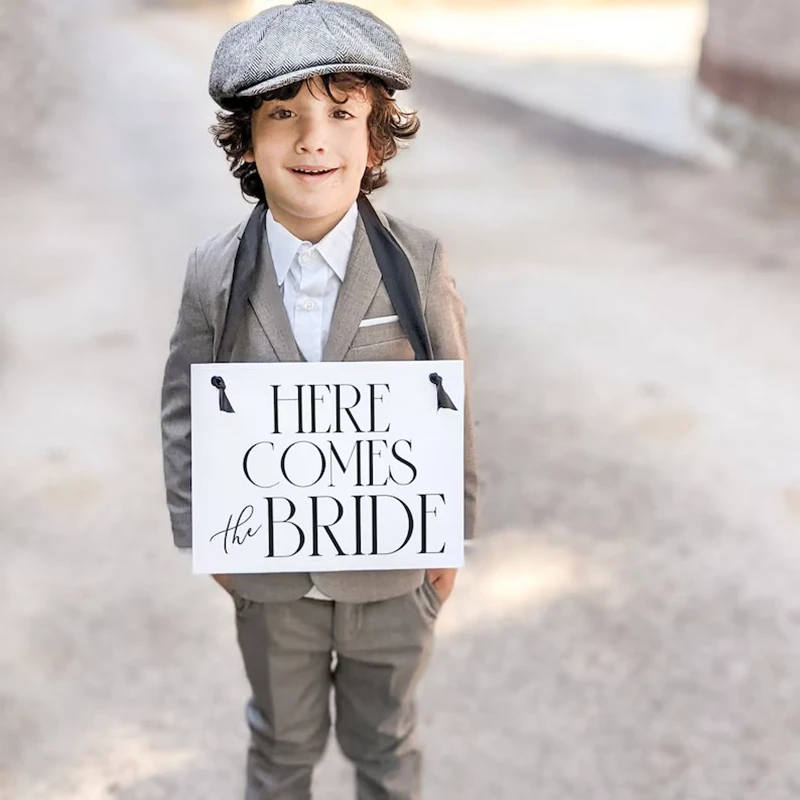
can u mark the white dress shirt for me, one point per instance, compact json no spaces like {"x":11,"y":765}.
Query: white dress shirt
{"x":309,"y":277}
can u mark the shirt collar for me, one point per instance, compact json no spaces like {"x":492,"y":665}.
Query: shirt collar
{"x":334,"y":248}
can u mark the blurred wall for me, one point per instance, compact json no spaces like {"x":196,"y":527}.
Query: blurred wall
{"x":749,"y":77}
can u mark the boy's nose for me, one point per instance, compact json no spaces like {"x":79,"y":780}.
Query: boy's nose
{"x":311,"y":139}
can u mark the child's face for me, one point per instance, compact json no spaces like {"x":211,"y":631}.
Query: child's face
{"x":311,"y":131}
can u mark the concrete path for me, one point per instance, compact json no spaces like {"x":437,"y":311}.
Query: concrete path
{"x":629,"y":627}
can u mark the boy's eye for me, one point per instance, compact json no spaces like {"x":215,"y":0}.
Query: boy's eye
{"x":340,"y":113}
{"x":280,"y":113}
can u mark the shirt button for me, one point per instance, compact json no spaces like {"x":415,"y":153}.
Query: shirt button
{"x":309,"y":305}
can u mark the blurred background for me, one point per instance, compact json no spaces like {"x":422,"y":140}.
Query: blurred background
{"x":616,"y":183}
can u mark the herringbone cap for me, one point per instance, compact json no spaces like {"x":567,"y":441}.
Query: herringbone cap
{"x":289,"y":43}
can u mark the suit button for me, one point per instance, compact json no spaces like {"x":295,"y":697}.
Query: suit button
{"x":309,"y":305}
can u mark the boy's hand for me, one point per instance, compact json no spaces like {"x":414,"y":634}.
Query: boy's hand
{"x":225,"y":582}
{"x":443,"y":581}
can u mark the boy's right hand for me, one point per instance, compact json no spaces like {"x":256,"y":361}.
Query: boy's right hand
{"x":225,"y":581}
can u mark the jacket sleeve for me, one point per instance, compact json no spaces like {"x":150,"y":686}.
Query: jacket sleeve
{"x":191,"y":342}
{"x":445,"y":316}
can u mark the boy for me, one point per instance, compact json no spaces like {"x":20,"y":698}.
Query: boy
{"x":308,"y":123}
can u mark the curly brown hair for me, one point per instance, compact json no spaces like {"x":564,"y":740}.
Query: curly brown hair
{"x":388,"y":127}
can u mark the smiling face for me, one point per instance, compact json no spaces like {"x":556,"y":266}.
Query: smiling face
{"x":311,"y":153}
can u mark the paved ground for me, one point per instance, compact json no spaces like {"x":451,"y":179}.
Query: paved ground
{"x":630,"y":626}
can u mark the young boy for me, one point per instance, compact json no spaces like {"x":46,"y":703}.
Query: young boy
{"x":308,"y":123}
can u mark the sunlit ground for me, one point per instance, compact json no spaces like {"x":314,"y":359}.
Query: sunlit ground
{"x":522,"y":587}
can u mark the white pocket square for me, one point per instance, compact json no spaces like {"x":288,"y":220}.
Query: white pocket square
{"x":368,"y":323}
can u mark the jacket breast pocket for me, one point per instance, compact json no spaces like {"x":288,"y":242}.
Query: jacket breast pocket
{"x":385,"y":342}
{"x":378,"y":334}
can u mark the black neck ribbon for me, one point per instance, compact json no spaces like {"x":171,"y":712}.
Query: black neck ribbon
{"x":396,"y":272}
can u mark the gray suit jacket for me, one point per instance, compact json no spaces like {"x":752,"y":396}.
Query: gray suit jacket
{"x":266,"y":336}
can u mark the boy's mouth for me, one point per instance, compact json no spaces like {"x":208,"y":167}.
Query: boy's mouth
{"x":312,"y":174}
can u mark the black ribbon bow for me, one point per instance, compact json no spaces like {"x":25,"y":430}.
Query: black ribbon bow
{"x":224,"y":403}
{"x":442,"y":398}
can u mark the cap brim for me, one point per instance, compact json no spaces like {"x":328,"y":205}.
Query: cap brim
{"x":393,"y":80}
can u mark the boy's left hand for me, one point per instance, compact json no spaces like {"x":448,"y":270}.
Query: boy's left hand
{"x":443,"y":581}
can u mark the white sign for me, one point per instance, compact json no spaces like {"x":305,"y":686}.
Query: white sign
{"x":327,"y":466}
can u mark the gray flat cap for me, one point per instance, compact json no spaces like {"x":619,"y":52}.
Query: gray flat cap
{"x":289,"y":43}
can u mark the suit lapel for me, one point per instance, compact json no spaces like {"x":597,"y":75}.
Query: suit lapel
{"x":358,"y":290}
{"x":267,"y":304}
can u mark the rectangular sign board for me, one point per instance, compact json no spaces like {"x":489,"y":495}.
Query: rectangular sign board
{"x":318,"y":467}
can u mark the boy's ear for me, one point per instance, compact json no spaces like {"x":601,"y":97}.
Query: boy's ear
{"x":249,"y":157}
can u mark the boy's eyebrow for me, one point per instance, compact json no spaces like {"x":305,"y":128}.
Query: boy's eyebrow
{"x":350,"y":99}
{"x":356,"y":99}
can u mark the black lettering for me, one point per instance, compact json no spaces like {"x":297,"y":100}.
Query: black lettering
{"x":357,"y":503}
{"x":373,"y":398}
{"x":232,"y":535}
{"x":272,"y":522}
{"x":402,"y":460}
{"x":322,"y":463}
{"x":314,"y":400}
{"x":410,"y":516}
{"x":346,"y":409}
{"x":246,"y":466}
{"x":315,"y":524}
{"x":297,"y":400}
{"x":424,"y":521}
{"x":345,"y":466}
{"x":372,"y":456}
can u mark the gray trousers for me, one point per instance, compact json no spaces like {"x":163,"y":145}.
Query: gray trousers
{"x":372,"y":655}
